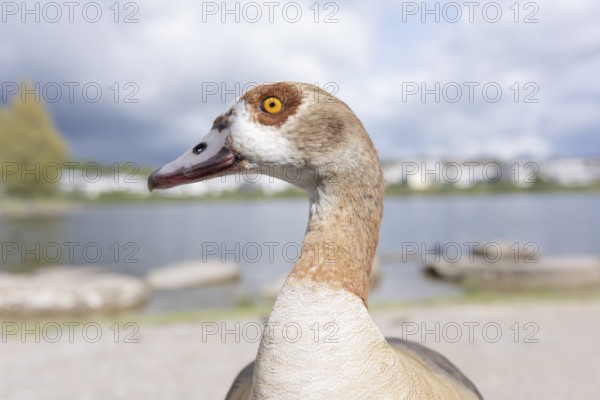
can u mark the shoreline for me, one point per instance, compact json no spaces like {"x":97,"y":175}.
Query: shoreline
{"x":38,"y":208}
{"x":478,"y":298}
{"x":50,"y":207}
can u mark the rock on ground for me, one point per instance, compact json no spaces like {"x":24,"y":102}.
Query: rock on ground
{"x":68,"y":291}
{"x":193,"y":274}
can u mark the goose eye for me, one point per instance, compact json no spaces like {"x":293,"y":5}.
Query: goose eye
{"x":272,"y":105}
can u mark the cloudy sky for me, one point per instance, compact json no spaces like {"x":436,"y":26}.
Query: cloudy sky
{"x":492,"y":80}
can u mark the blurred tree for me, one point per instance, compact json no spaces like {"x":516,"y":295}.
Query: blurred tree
{"x":31,"y":149}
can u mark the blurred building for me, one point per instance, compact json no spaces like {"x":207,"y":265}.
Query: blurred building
{"x":424,"y":174}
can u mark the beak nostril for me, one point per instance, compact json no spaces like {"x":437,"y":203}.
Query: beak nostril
{"x":199,"y":148}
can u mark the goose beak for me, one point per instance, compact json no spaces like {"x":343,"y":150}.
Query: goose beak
{"x":206,"y":160}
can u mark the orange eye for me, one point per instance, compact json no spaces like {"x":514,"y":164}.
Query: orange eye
{"x":272,"y":105}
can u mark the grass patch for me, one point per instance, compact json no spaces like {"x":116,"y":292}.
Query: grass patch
{"x":251,"y":310}
{"x":482,"y":297}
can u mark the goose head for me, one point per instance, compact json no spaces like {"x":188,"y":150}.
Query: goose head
{"x":296,"y":132}
{"x":301,"y":134}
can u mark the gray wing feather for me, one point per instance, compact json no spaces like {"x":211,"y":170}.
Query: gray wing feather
{"x":241,"y":389}
{"x":437,"y":360}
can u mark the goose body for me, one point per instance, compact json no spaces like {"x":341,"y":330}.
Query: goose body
{"x":320,"y":341}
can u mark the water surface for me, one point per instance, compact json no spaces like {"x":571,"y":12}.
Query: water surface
{"x":264,"y":236}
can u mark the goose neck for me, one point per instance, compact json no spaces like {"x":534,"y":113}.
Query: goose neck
{"x":342,"y":236}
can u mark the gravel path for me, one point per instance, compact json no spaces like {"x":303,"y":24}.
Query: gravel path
{"x":556,"y":354}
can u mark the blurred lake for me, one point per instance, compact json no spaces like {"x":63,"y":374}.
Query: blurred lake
{"x":264,"y":238}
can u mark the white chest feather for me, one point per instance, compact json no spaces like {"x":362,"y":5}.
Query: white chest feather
{"x":322,"y":343}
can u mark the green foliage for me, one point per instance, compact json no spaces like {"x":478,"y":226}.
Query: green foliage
{"x":31,"y":149}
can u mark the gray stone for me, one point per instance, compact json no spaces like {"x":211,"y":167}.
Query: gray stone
{"x":69,"y":291}
{"x":564,"y":272}
{"x":193,"y":274}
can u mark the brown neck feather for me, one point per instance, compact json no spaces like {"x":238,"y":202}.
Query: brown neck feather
{"x":343,"y":233}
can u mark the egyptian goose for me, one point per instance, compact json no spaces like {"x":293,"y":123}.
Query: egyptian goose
{"x":320,"y":341}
